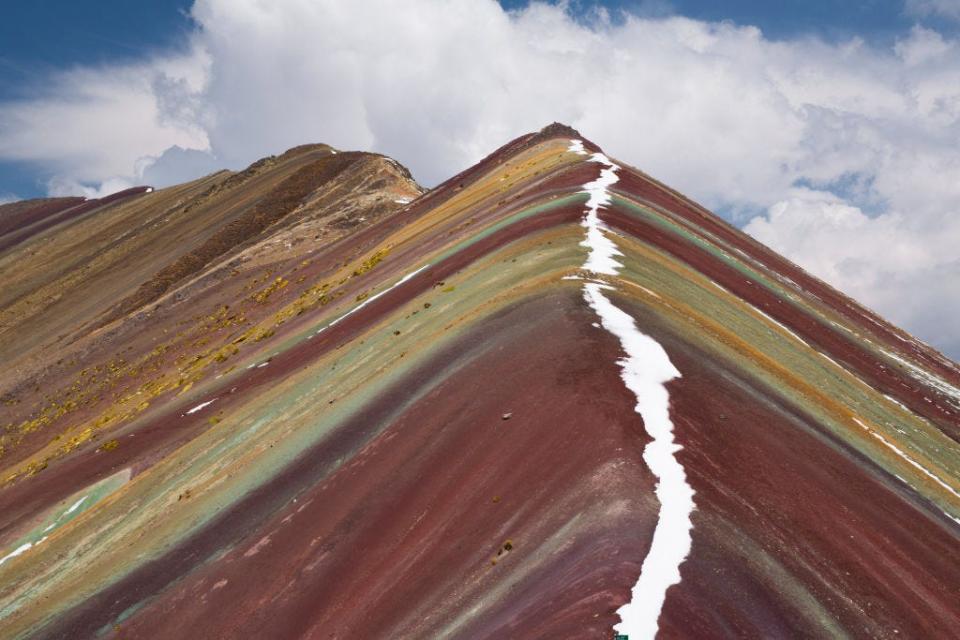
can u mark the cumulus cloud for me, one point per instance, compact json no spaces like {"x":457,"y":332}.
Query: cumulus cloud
{"x":177,"y":165}
{"x":806,"y":133}
{"x":93,"y":127}
{"x":906,"y":266}
{"x":943,"y":8}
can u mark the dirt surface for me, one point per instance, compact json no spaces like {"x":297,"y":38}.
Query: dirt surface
{"x":312,"y":400}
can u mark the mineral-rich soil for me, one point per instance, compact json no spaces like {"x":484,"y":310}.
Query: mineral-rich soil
{"x":312,"y":399}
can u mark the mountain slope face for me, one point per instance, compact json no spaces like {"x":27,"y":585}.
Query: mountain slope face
{"x":547,"y":398}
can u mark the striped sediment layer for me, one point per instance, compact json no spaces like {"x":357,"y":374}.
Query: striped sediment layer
{"x":547,"y":398}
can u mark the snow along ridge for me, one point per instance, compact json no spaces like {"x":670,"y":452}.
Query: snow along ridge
{"x":645,"y":370}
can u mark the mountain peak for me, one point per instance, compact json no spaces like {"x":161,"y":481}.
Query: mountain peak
{"x":558,"y":130}
{"x":551,"y":397}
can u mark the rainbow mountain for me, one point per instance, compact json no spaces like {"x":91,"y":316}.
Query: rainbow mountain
{"x":549,"y":398}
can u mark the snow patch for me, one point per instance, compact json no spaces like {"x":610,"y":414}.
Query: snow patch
{"x":910,"y":460}
{"x":576,"y":146}
{"x":73,"y":507}
{"x":782,"y":326}
{"x":76,"y":505}
{"x":372,"y":298}
{"x":26,"y":546}
{"x":922,"y":375}
{"x":603,"y":252}
{"x":18,"y":551}
{"x":200,"y":406}
{"x":645,"y":371}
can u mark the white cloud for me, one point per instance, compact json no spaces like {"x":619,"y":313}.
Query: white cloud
{"x":92,"y":126}
{"x":718,"y":111}
{"x":923,"y":46}
{"x":7,"y":198}
{"x":943,"y":8}
{"x":906,"y":267}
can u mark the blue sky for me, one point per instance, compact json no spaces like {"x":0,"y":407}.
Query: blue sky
{"x":42,"y":37}
{"x":871,"y":19}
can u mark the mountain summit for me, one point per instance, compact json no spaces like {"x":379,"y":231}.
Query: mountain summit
{"x":550,"y":398}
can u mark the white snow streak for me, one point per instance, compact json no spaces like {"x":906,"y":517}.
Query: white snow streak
{"x":372,"y":298}
{"x":924,"y":376}
{"x":645,"y":371}
{"x":26,"y":546}
{"x":897,"y":402}
{"x":910,"y":460}
{"x":76,"y":505}
{"x":16,"y":552}
{"x":200,"y":406}
{"x":782,"y":326}
{"x":602,"y":256}
{"x":576,"y":146}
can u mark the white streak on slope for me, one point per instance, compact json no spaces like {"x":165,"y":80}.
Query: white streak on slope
{"x":372,"y":298}
{"x":576,"y":146}
{"x":935,"y":381}
{"x":200,"y":406}
{"x":75,"y":506}
{"x":910,"y":460}
{"x":26,"y":546}
{"x":645,"y":371}
{"x":602,"y":256}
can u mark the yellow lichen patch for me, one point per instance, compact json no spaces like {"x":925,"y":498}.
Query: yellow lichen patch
{"x":225,"y":352}
{"x":34,"y":468}
{"x":310,"y":298}
{"x":77,"y":440}
{"x":95,"y":383}
{"x":264,"y":294}
{"x":371,"y":262}
{"x":263,"y":334}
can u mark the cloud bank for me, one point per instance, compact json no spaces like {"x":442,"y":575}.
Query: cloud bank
{"x":949,"y":9}
{"x":840,"y":155}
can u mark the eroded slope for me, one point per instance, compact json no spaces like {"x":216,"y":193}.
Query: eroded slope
{"x":425,"y":426}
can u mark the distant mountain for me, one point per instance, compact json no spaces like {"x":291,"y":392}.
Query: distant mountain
{"x":551,"y":398}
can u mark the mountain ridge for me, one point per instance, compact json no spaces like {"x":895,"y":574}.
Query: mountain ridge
{"x":434,"y":382}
